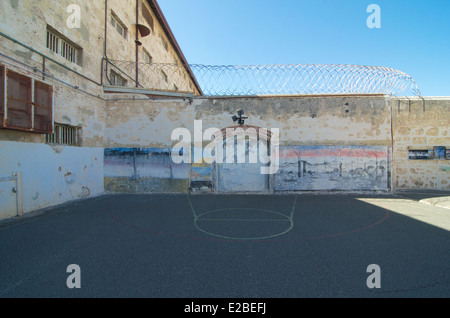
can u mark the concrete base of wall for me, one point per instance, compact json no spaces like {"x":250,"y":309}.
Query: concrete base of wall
{"x":145,"y":185}
{"x":51,"y":175}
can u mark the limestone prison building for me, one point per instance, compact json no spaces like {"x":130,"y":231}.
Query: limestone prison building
{"x":91,"y":92}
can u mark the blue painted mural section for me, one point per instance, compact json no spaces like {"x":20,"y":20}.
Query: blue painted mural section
{"x":143,"y":163}
{"x":301,"y":168}
{"x":304,"y":168}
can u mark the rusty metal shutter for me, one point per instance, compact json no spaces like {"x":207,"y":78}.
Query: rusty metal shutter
{"x":2,"y":96}
{"x":43,"y":104}
{"x":19,"y":101}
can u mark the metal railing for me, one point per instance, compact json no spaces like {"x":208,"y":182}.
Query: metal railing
{"x":152,"y":76}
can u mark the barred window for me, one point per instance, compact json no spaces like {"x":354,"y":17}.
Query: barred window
{"x":62,"y":46}
{"x":52,"y":42}
{"x":118,"y":25}
{"x":68,"y":51}
{"x":63,"y":135}
{"x":117,"y":80}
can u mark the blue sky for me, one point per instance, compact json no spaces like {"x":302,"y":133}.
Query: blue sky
{"x":414,"y":36}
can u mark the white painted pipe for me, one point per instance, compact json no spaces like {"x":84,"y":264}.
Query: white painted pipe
{"x":19,"y":193}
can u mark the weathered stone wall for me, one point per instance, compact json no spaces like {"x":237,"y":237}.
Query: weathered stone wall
{"x":145,"y":123}
{"x":124,"y":49}
{"x":119,"y":48}
{"x":54,"y":174}
{"x":313,"y":120}
{"x":346,"y":142}
{"x":420,"y":124}
{"x":79,"y":99}
{"x":307,"y":120}
{"x":71,"y":107}
{"x":26,"y":21}
{"x":335,"y":137}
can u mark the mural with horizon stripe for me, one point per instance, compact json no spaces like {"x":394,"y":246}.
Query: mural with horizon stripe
{"x":333,"y":168}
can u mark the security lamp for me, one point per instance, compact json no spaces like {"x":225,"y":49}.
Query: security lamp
{"x":239,"y":118}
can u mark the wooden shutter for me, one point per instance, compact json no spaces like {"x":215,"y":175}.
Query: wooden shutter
{"x":2,"y":96}
{"x":19,"y":101}
{"x":43,"y":104}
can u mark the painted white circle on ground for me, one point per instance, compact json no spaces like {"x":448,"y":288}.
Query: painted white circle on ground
{"x":243,"y":223}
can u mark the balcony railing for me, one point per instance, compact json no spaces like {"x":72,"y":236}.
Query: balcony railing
{"x":155,"y":77}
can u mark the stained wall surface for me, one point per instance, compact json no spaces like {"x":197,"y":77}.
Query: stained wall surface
{"x":339,"y":142}
{"x":421,"y":140}
{"x":326,"y":142}
{"x":50,"y":175}
{"x":54,"y":174}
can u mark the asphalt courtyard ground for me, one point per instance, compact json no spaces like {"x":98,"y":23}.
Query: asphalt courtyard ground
{"x":232,"y":246}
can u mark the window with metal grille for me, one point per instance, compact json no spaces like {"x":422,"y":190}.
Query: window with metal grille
{"x":26,"y":104}
{"x":52,"y":42}
{"x":62,"y":46}
{"x":63,"y":135}
{"x":118,"y":25}
{"x":117,"y":80}
{"x":68,"y":51}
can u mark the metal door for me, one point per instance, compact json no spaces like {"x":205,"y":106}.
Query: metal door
{"x":239,"y":176}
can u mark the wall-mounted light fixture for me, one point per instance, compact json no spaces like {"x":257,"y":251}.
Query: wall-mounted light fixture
{"x":239,"y":118}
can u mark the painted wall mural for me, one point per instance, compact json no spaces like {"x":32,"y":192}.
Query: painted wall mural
{"x":302,"y":168}
{"x":143,"y":170}
{"x":333,"y":168}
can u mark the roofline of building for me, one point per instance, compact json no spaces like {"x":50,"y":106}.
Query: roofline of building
{"x":162,"y":20}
